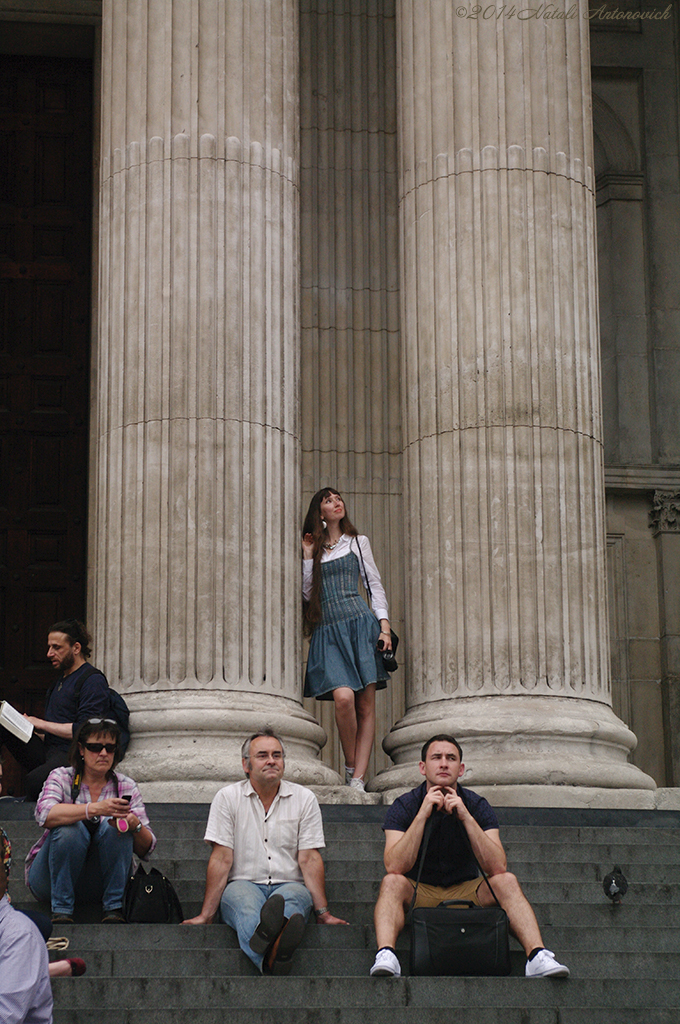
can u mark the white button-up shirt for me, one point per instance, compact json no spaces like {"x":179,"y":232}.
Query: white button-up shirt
{"x":265,"y":846}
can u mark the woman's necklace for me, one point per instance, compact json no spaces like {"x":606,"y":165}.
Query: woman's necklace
{"x":329,"y":547}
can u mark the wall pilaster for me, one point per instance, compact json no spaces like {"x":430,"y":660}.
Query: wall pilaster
{"x":665,"y":525}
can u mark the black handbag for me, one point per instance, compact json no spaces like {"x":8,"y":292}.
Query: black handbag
{"x":458,"y":937}
{"x":150,"y":899}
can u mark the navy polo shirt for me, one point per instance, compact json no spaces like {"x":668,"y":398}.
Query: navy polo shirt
{"x":448,"y":860}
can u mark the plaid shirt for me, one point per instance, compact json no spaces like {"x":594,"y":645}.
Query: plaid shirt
{"x":57,"y":790}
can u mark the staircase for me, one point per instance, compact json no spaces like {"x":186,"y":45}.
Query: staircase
{"x":624,"y":961}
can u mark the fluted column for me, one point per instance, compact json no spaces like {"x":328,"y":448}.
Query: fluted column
{"x":196,"y":451}
{"x":504,"y":488}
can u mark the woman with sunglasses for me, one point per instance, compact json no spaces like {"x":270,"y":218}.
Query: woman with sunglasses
{"x":94,"y":820}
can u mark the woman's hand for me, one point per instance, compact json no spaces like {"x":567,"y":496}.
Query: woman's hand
{"x":385,"y":638}
{"x":131,"y":819}
{"x":307,"y":546}
{"x":113,"y":807}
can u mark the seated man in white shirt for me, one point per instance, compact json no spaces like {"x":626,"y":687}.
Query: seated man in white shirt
{"x":25,"y":992}
{"x":265,"y":872}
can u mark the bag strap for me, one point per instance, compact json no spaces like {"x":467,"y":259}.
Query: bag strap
{"x":78,"y":781}
{"x":424,"y":844}
{"x":466,"y":839}
{"x":423,"y":851}
{"x":364,"y":579}
{"x":85,"y":674}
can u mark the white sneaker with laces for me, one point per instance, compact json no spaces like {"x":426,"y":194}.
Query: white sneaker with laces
{"x":544,"y":965}
{"x":358,"y":784}
{"x":386,"y":964}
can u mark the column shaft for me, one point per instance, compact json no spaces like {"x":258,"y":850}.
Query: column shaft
{"x":194,"y":536}
{"x":504,"y":487}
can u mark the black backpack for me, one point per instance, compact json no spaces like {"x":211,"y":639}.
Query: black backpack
{"x":117,"y":708}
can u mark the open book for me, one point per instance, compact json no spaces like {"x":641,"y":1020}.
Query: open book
{"x":14,"y":722}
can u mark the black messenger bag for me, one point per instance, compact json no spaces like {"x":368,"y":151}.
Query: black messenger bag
{"x":457,"y":937}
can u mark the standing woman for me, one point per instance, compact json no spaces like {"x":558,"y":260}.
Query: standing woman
{"x":347,"y":641}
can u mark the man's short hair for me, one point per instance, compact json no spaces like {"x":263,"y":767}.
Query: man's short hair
{"x":441,"y":737}
{"x":267,"y":731}
{"x":76,"y":633}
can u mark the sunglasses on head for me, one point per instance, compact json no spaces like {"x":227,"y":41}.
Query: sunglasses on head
{"x":98,"y":721}
{"x":97,"y":748}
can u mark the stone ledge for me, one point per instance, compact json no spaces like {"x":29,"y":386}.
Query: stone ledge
{"x":642,"y":478}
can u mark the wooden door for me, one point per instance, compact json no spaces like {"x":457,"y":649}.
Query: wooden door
{"x":45,"y":283}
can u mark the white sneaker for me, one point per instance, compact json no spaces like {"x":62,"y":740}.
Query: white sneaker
{"x":386,"y":964}
{"x":358,"y":784}
{"x":349,"y":775}
{"x":544,"y":965}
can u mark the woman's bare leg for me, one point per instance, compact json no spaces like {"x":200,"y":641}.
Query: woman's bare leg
{"x":365,"y":716}
{"x":346,"y":721}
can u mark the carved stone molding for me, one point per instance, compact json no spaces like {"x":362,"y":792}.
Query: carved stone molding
{"x":665,"y":513}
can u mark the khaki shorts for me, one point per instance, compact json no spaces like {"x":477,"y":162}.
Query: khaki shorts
{"x":432,"y":895}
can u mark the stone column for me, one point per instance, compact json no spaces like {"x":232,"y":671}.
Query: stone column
{"x":195,"y":559}
{"x":504,"y":490}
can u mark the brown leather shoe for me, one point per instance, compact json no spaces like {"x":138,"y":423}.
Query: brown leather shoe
{"x":279,"y":958}
{"x":271,"y":924}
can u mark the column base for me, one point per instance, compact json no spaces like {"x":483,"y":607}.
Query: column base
{"x":522,"y":745}
{"x":344,"y":795}
{"x":186,"y":744}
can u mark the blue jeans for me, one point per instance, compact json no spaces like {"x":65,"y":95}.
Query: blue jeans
{"x":73,"y":864}
{"x":242,"y":902}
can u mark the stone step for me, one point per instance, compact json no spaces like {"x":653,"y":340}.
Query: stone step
{"x":587,"y":913}
{"x":542,"y":854}
{"x":369,"y":830}
{"x":310,"y":994}
{"x":655,"y":938}
{"x":191,"y":869}
{"x":607,"y":1014}
{"x":570,"y":861}
{"x":364,"y":893}
{"x":350,"y":962}
{"x":608,"y":851}
{"x":609,"y":937}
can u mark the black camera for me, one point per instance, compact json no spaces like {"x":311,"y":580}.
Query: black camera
{"x":389,"y":661}
{"x":389,"y":657}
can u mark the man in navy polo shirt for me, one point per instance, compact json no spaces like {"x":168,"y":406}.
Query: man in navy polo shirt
{"x":449,"y":871}
{"x":68,"y":648}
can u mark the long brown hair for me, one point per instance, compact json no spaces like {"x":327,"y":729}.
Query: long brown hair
{"x":311,"y":610}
